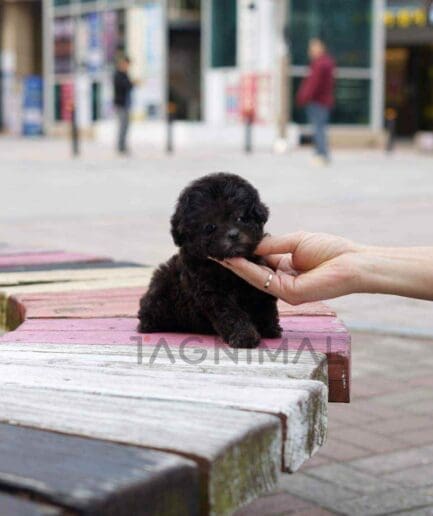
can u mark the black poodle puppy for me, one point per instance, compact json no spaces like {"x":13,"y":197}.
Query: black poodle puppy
{"x":219,"y":216}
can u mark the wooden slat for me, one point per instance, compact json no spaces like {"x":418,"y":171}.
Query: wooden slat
{"x":239,"y":452}
{"x":109,"y":264}
{"x":302,"y":404}
{"x":324,"y":336}
{"x":12,"y":260}
{"x":66,"y":275}
{"x":14,"y":506}
{"x":316,"y":308}
{"x":96,"y":477}
{"x":139,"y":280}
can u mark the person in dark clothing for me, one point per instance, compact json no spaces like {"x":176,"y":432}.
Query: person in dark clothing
{"x":122,"y":100}
{"x":317,"y":94}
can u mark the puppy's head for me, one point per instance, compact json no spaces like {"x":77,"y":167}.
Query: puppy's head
{"x":220,"y":216}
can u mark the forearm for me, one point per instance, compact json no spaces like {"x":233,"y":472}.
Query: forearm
{"x":399,"y":271}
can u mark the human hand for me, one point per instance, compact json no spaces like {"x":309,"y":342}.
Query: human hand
{"x":305,"y":267}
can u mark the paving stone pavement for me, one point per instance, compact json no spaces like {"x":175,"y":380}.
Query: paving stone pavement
{"x":379,"y":455}
{"x":378,"y":459}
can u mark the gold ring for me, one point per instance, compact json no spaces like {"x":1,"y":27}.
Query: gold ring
{"x":268,"y":281}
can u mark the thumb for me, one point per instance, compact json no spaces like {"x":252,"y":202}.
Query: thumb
{"x":280,"y":244}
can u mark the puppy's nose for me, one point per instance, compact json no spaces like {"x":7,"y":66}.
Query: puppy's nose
{"x":233,"y":234}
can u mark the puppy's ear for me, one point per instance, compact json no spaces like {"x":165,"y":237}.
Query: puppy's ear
{"x":176,"y":228}
{"x":260,"y":212}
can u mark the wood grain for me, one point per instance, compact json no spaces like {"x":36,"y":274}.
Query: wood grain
{"x":12,"y":260}
{"x":321,"y":335}
{"x":300,"y":404}
{"x":109,"y":264}
{"x":239,"y":452}
{"x":96,"y":477}
{"x":67,"y":275}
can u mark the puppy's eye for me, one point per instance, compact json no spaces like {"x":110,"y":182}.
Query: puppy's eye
{"x":242,"y":218}
{"x":209,"y":229}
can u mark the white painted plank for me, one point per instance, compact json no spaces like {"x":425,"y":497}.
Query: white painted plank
{"x":300,"y":404}
{"x":68,"y":275}
{"x":239,"y":452}
{"x":246,"y":362}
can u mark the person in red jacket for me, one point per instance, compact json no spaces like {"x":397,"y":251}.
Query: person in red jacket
{"x":317,"y":94}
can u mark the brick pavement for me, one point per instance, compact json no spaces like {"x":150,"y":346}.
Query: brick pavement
{"x":378,"y":459}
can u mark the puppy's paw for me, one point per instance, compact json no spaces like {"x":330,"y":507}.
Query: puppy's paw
{"x":272,"y":331}
{"x":244,"y":338}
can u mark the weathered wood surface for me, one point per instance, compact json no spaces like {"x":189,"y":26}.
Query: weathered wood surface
{"x":109,"y":264}
{"x":321,"y":335}
{"x":316,"y":308}
{"x":95,"y":477}
{"x":192,"y":358}
{"x":14,"y":506}
{"x":301,"y":404}
{"x":12,"y":260}
{"x":141,"y":279}
{"x":67,"y":275}
{"x":239,"y":452}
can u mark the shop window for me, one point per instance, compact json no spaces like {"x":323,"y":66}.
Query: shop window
{"x":352,"y":102}
{"x":224,"y":14}
{"x":344,"y":26}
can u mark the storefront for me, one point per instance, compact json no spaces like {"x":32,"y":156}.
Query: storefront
{"x":409,"y":64}
{"x":244,"y":39}
{"x":84,"y":38}
{"x":21,"y":67}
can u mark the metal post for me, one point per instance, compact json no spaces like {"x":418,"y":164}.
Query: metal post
{"x":248,"y":134}
{"x":74,"y":133}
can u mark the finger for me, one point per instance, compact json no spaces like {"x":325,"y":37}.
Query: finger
{"x":273,"y":260}
{"x":282,"y":262}
{"x":280,"y":244}
{"x":256,"y":275}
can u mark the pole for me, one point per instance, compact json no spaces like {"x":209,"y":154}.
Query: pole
{"x":248,"y":134}
{"x":74,"y":132}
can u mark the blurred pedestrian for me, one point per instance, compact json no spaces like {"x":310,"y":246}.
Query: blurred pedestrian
{"x":122,"y":100}
{"x":317,"y":94}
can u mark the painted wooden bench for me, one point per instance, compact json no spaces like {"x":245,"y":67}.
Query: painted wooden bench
{"x":225,"y":422}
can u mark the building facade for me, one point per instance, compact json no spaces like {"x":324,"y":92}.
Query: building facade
{"x":211,"y":59}
{"x":409,"y":64}
{"x":245,"y":39}
{"x":20,"y":65}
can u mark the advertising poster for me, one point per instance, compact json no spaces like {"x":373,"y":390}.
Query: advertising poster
{"x":32,"y":111}
{"x":145,"y":43}
{"x":66,"y":101}
{"x":95,"y":52}
{"x":153,"y":86}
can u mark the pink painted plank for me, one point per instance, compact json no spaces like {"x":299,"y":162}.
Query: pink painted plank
{"x":46,"y":258}
{"x":317,"y":308}
{"x":294,"y":340}
{"x":116,"y":303}
{"x":335,"y":344}
{"x":316,"y":324}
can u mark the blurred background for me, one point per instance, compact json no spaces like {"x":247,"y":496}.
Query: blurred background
{"x":205,"y":69}
{"x":207,"y":57}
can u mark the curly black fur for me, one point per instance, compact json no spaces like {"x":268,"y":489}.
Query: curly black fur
{"x":220,"y":216}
